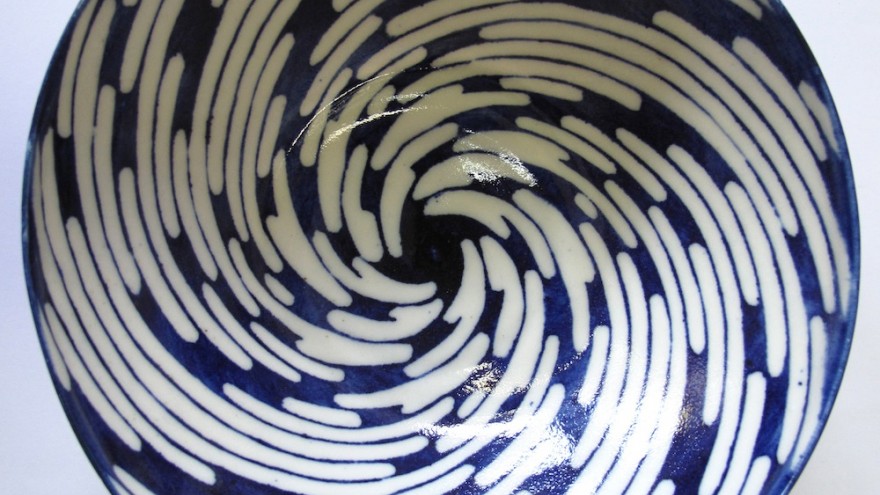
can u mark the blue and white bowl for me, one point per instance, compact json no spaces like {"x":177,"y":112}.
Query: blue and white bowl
{"x":387,"y":247}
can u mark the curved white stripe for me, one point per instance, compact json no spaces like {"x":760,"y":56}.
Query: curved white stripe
{"x":53,"y":221}
{"x":540,"y":446}
{"x":225,"y":94}
{"x":294,"y":358}
{"x":747,"y":435}
{"x":104,"y":335}
{"x":715,"y":321}
{"x":186,"y":208}
{"x":106,"y":192}
{"x":451,"y":69}
{"x":247,"y":342}
{"x":643,"y":452}
{"x":618,"y":154}
{"x":400,"y":180}
{"x":732,"y":68}
{"x":672,"y":409}
{"x":820,"y":113}
{"x":570,"y":141}
{"x":444,"y":484}
{"x":758,"y":474}
{"x":278,"y":290}
{"x":292,"y":243}
{"x":92,"y":125}
{"x":464,"y":312}
{"x":405,"y":322}
{"x":726,"y":220}
{"x":365,"y":280}
{"x":261,"y":143}
{"x":463,"y":169}
{"x":648,"y":59}
{"x":541,"y":381}
{"x":415,"y":395}
{"x":238,"y":164}
{"x":788,"y":96}
{"x":813,"y":412}
{"x":336,"y":61}
{"x":136,"y":44}
{"x":658,"y":253}
{"x":64,"y":116}
{"x":357,"y":99}
{"x":250,"y":195}
{"x":340,"y":5}
{"x":298,"y":327}
{"x":168,"y":93}
{"x":495,"y":214}
{"x":665,"y":487}
{"x":147,"y":107}
{"x":203,"y":423}
{"x":504,"y":277}
{"x":803,"y":177}
{"x":749,"y":6}
{"x":516,"y":377}
{"x":92,"y":379}
{"x":598,"y":362}
{"x":684,"y":274}
{"x":344,"y":24}
{"x":607,"y":450}
{"x":607,"y":399}
{"x":517,"y":148}
{"x":575,"y":266}
{"x":536,"y":85}
{"x":313,"y":136}
{"x":772,"y":302}
{"x":586,"y":206}
{"x":59,"y":369}
{"x":430,"y":12}
{"x":331,"y":167}
{"x":196,"y":165}
{"x":362,"y":225}
{"x":130,"y":483}
{"x":412,"y":425}
{"x":552,"y":162}
{"x":431,"y":110}
{"x":219,"y":334}
{"x":321,"y":414}
{"x":730,"y":126}
{"x":398,"y":292}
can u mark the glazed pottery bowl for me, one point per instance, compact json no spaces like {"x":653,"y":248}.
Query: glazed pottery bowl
{"x":387,"y":247}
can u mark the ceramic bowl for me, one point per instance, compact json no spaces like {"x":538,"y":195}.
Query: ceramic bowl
{"x":391,"y":247}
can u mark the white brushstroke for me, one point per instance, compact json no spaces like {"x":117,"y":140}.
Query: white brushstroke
{"x":415,"y":395}
{"x":222,"y":126}
{"x":344,"y":25}
{"x":516,"y":379}
{"x":504,"y":277}
{"x":400,"y":180}
{"x":405,"y":322}
{"x":64,"y":117}
{"x":464,"y":311}
{"x":575,"y":266}
{"x":362,"y":225}
{"x":136,"y":44}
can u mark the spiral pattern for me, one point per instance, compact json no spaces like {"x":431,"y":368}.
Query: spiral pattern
{"x":496,"y":247}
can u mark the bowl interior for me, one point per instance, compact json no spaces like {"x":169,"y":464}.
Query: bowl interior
{"x":442,"y":247}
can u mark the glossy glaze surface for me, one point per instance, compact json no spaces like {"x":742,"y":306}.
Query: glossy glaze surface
{"x":494,"y":247}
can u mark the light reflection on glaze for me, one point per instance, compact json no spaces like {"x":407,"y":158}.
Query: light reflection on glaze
{"x":437,"y":268}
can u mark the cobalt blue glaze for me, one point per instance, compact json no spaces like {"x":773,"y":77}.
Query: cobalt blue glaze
{"x":489,"y":247}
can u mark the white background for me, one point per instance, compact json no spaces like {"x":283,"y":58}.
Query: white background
{"x":39,"y":454}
